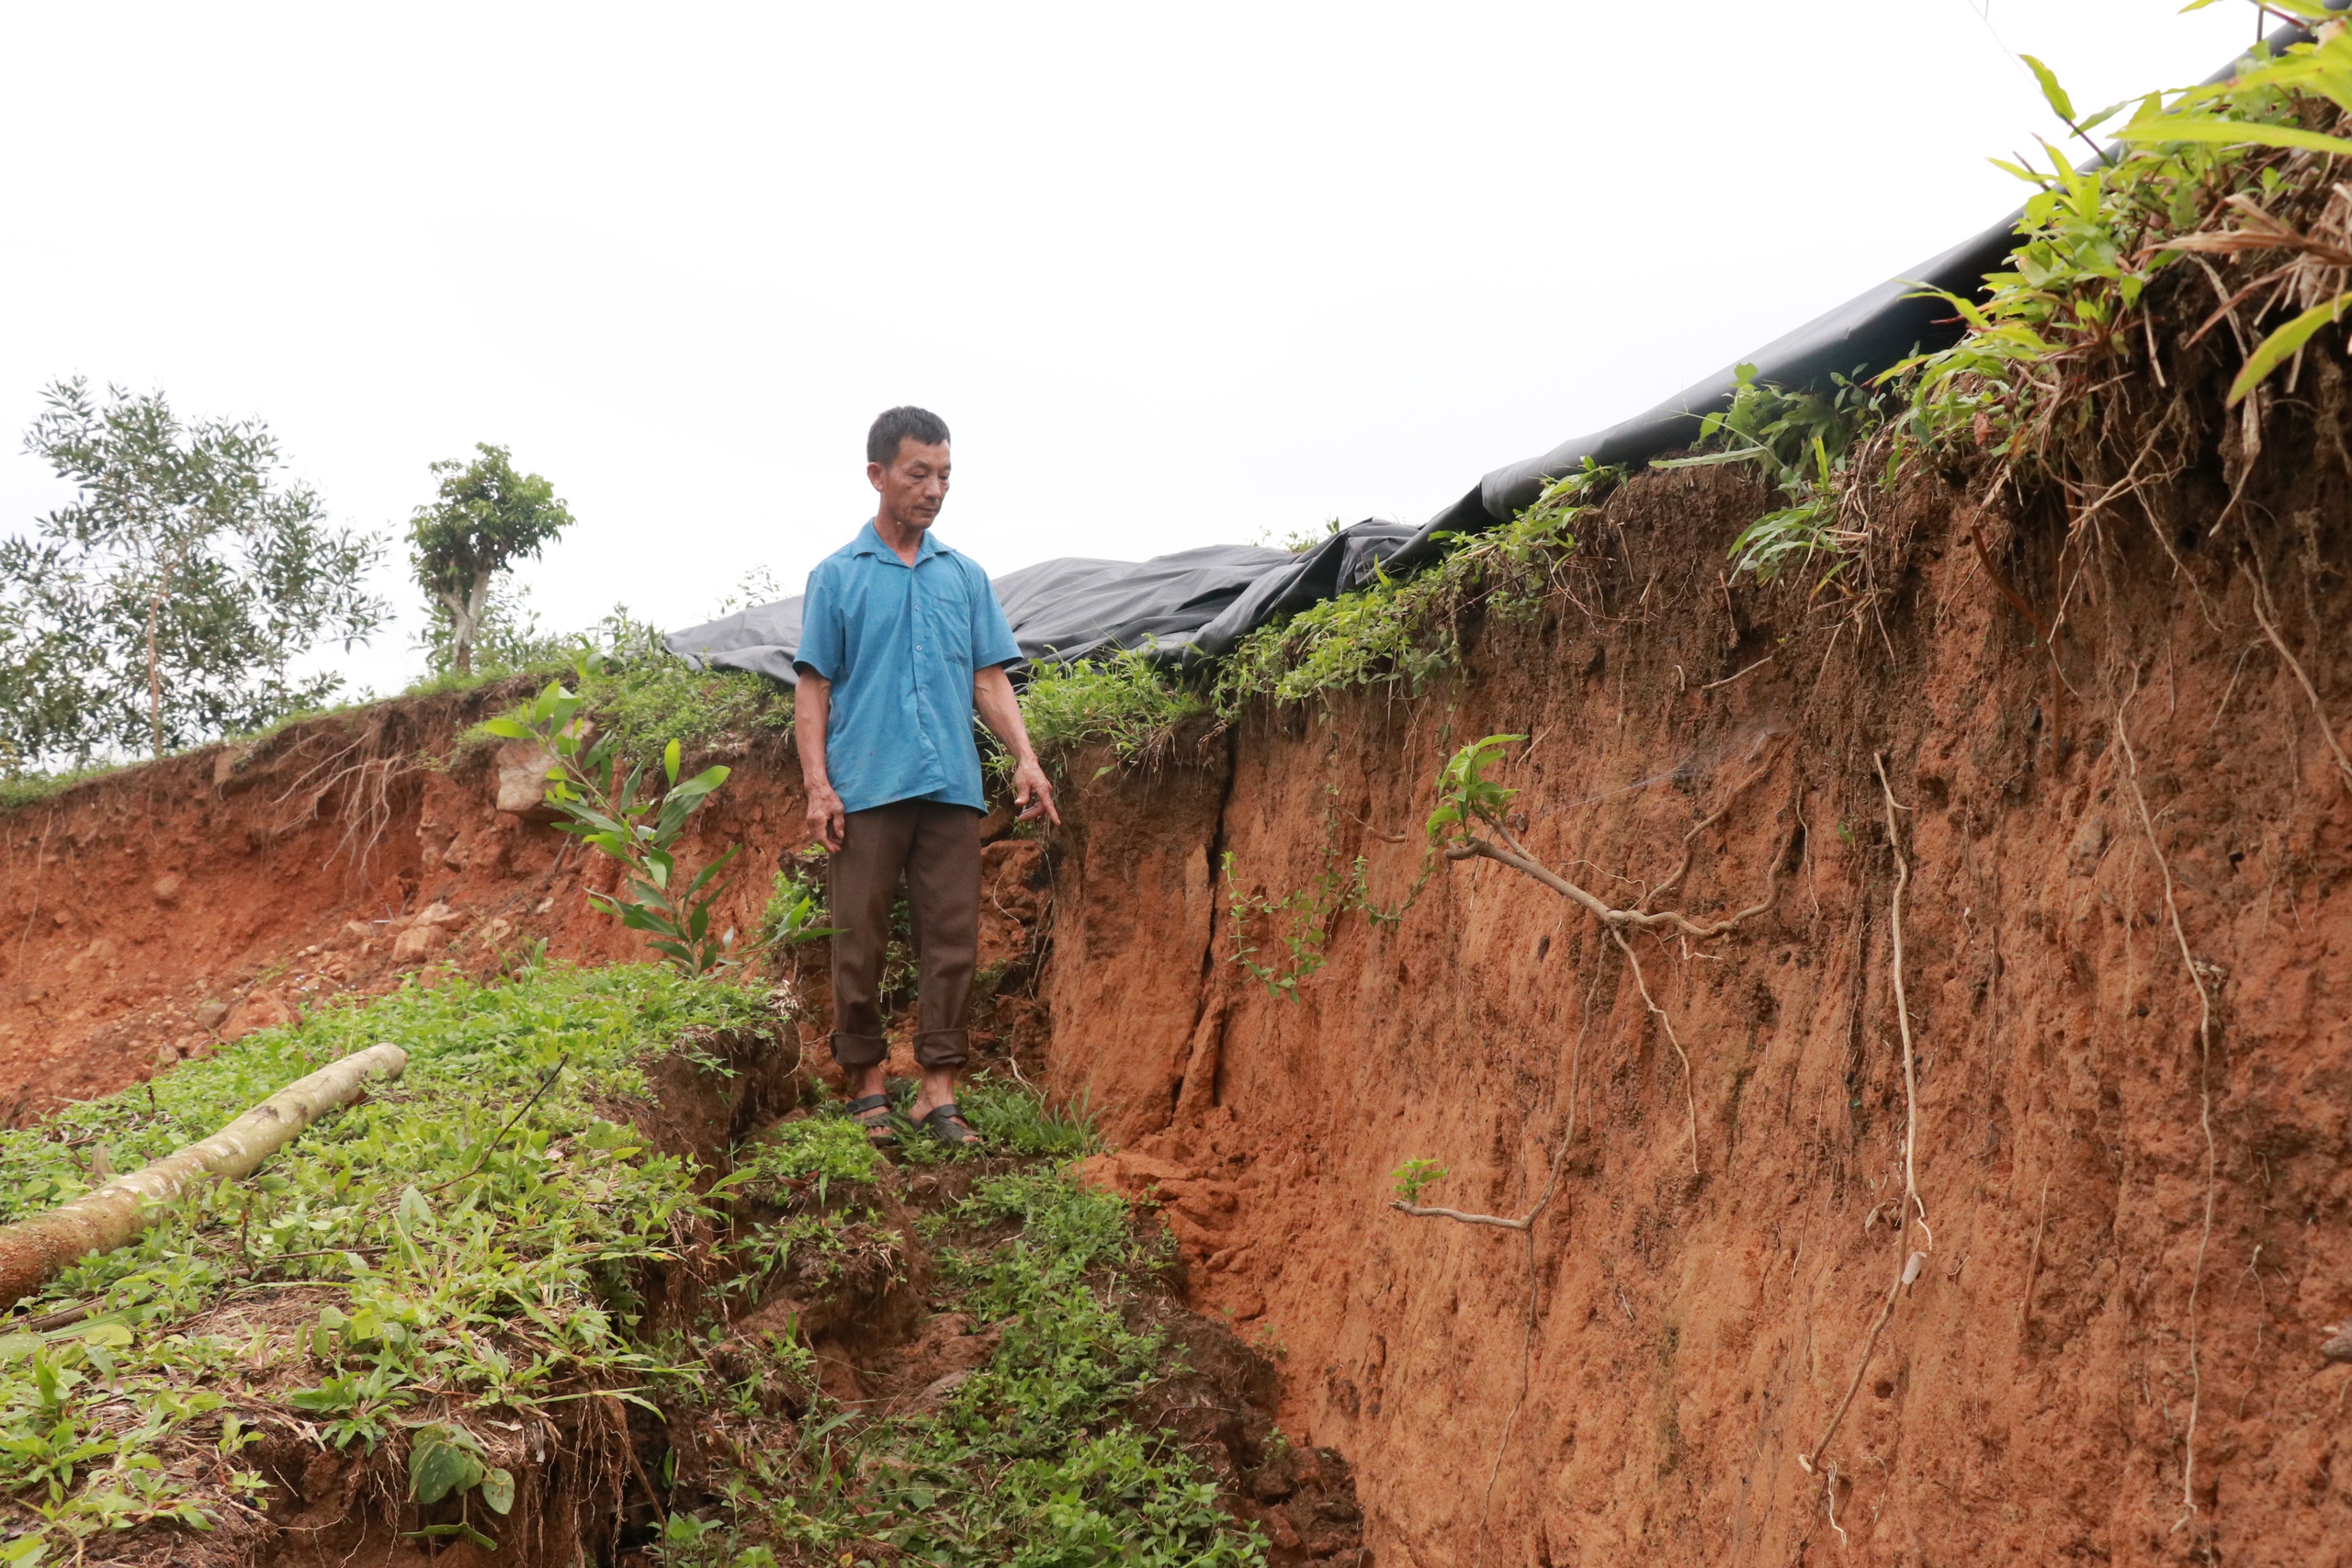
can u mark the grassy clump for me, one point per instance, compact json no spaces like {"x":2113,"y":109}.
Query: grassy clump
{"x":1121,"y":698}
{"x":432,"y":1262}
{"x":1401,"y":631}
{"x":1404,"y":630}
{"x":32,"y":788}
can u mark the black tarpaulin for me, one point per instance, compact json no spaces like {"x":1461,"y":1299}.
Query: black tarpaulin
{"x":1199,"y":604}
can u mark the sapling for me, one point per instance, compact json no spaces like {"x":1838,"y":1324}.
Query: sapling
{"x":637,"y":824}
{"x":1415,"y":1174}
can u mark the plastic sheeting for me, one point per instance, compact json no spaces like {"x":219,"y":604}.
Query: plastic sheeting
{"x":1060,"y":609}
{"x":1199,"y":604}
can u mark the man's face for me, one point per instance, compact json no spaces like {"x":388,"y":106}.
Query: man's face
{"x":914,"y":486}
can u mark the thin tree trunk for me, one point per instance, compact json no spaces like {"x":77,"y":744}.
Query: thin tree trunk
{"x":154,"y":675}
{"x":34,"y":1251}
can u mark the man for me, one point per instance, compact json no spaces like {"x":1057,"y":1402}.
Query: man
{"x":901,"y":638}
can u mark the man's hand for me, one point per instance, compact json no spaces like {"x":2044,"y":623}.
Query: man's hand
{"x":812,"y":707}
{"x":825,"y":817}
{"x":1000,"y":711}
{"x":1031,"y":794}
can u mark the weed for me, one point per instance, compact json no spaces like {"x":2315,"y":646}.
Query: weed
{"x":1802,"y":440}
{"x":818,"y":1149}
{"x":1032,"y":1459}
{"x":1404,"y":631}
{"x":796,"y":900}
{"x":1414,"y":1175}
{"x":507,"y":1287}
{"x":1121,"y":699}
{"x":19,"y":789}
{"x":1010,"y":1119}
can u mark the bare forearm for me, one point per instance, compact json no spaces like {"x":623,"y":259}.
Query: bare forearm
{"x":812,"y":707}
{"x":1000,"y":711}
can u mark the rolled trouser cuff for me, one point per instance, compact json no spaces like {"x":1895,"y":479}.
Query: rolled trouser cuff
{"x":859,"y":1050}
{"x":941,"y":1048}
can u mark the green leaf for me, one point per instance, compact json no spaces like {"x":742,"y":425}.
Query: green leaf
{"x":2051,"y":93}
{"x":442,"y":1459}
{"x":2231,"y":132}
{"x":498,"y":1489}
{"x":2275,"y":350}
{"x":670,"y":755}
{"x":508,"y":728}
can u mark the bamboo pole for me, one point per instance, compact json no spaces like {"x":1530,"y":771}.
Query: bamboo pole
{"x":33,"y":1252}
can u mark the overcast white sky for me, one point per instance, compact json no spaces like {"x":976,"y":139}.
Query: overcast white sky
{"x":1173,"y":274}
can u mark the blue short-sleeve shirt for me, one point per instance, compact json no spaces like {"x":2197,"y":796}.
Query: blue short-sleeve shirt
{"x":900,"y":645}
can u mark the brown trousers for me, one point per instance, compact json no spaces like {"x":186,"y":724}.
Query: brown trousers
{"x":938,"y":848}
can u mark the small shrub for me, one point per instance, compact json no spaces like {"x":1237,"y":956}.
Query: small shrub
{"x":1416,"y":1175}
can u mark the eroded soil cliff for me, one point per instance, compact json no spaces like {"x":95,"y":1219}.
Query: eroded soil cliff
{"x":2123,"y":949}
{"x":1636,"y":1378}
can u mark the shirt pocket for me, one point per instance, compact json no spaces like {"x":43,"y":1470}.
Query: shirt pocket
{"x":946,"y":623}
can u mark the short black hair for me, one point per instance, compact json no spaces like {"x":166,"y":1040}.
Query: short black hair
{"x":905,"y":422}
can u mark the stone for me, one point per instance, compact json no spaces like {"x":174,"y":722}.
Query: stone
{"x":167,"y":887}
{"x":209,"y":1012}
{"x":419,"y":943}
{"x":228,"y":774}
{"x":263,"y":1010}
{"x":523,"y":781}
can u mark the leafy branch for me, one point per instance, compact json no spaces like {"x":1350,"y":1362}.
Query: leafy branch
{"x":635,"y":821}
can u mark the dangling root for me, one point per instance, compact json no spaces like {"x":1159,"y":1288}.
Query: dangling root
{"x":2204,"y":1097}
{"x":1913,"y":1210}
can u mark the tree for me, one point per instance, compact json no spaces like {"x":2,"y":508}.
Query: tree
{"x":489,"y":517}
{"x":172,"y":596}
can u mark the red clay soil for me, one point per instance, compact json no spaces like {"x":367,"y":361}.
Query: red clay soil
{"x":1699,"y":1313}
{"x":1636,"y":1377}
{"x":150,"y":914}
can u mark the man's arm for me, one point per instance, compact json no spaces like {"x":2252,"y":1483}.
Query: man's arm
{"x":1000,"y":711}
{"x":812,"y":705}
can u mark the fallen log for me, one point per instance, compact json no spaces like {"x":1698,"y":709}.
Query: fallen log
{"x":33,"y":1252}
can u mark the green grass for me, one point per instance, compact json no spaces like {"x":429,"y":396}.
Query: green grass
{"x":452,"y":1267}
{"x":27,"y":789}
{"x":1121,"y":699}
{"x":1014,"y":1120}
{"x":652,"y":699}
{"x":1031,"y":1461}
{"x":427,"y":1265}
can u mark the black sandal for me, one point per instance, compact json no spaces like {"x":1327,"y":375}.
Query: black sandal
{"x":946,"y":1124}
{"x":879,"y":1131}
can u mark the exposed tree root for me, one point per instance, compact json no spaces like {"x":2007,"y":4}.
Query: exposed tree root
{"x":1902,"y":1010}
{"x":1913,"y":1208}
{"x":1910,"y":1272}
{"x":1518,"y":859}
{"x":1690,"y":1097}
{"x":2262,"y":601}
{"x":1691,"y":838}
{"x":2204,"y":1097}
